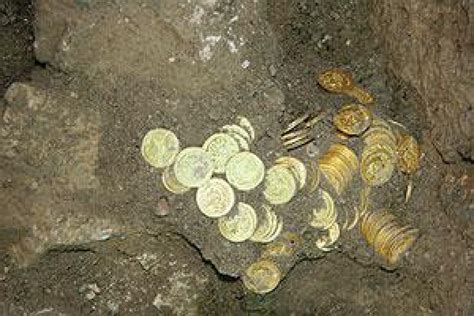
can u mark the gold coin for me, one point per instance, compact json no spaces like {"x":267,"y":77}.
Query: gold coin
{"x":314,"y":176}
{"x":239,"y":225}
{"x":215,"y":198}
{"x":262,"y":276}
{"x":221,"y":147}
{"x":171,"y":183}
{"x":160,"y":147}
{"x":237,"y":129}
{"x":409,"y":153}
{"x":268,"y":228}
{"x":245,"y":124}
{"x":285,"y":246}
{"x":353,"y":119}
{"x":377,"y":165}
{"x":333,"y":233}
{"x":193,"y":167}
{"x":325,"y":215}
{"x":280,"y":185}
{"x":402,"y":244}
{"x":245,"y":171}
{"x":336,"y":80}
{"x":296,"y":166}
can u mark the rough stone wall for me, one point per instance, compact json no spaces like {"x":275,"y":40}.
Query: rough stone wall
{"x":430,"y":45}
{"x":189,"y":46}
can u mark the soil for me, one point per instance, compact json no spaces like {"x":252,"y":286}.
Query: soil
{"x":86,"y":226}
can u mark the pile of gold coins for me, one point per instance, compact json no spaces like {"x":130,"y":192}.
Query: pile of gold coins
{"x":386,"y":147}
{"x":224,"y":163}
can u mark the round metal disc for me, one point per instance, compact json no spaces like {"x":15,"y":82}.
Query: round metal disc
{"x":245,"y":171}
{"x":280,"y":185}
{"x":240,"y":225}
{"x":262,"y":276}
{"x":160,"y":147}
{"x":215,"y":198}
{"x":221,"y":147}
{"x":193,"y":167}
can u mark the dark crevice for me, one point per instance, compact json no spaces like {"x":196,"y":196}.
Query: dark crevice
{"x":220,"y":276}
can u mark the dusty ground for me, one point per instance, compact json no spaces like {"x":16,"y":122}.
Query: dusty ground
{"x":80,"y":205}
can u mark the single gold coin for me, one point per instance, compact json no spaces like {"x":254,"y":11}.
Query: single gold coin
{"x":240,"y":224}
{"x":193,"y":167}
{"x":221,"y":147}
{"x":377,"y":164}
{"x":408,"y":153}
{"x":215,"y":198}
{"x":353,"y":119}
{"x":262,"y":276}
{"x":280,"y":185}
{"x":245,"y":171}
{"x":160,"y":147}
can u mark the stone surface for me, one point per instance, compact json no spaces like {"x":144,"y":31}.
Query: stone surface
{"x":429,"y":45}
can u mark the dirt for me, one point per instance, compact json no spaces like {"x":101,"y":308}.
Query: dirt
{"x":87,"y":227}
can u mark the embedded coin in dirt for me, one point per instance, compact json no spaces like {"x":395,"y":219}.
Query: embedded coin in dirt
{"x":240,"y":224}
{"x":215,"y":198}
{"x":245,"y":171}
{"x":352,"y":119}
{"x":221,"y":147}
{"x":280,"y":185}
{"x":262,"y":276}
{"x":193,"y":167}
{"x":160,"y":147}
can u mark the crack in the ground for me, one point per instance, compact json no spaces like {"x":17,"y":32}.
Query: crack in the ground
{"x":221,"y":276}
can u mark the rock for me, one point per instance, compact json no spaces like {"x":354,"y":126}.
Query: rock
{"x":22,"y":94}
{"x":443,"y":77}
{"x":196,"y":37}
{"x":163,"y":206}
{"x":273,"y":71}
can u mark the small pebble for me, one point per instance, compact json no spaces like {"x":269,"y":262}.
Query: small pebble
{"x":312,"y":150}
{"x":272,"y":70}
{"x":163,"y":208}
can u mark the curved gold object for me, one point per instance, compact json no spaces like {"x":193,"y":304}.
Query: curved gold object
{"x":352,"y":119}
{"x":262,"y":276}
{"x":390,"y":239}
{"x":245,"y":171}
{"x":193,"y":167}
{"x":280,"y":185}
{"x":377,"y":164}
{"x":171,"y":183}
{"x":269,"y":227}
{"x":408,"y":154}
{"x":378,"y":158}
{"x":338,"y":165}
{"x":286,"y":245}
{"x":341,"y":81}
{"x":296,"y":166}
{"x":221,"y":147}
{"x":160,"y":147}
{"x":215,"y":198}
{"x":325,"y":215}
{"x":325,"y":242}
{"x":240,"y":224}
